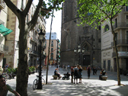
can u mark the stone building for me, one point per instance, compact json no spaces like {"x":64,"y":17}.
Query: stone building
{"x":12,"y":40}
{"x":53,"y":48}
{"x":108,"y":60}
{"x":3,"y":27}
{"x":73,"y":35}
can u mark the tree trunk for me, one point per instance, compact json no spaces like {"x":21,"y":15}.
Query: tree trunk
{"x":117,"y":58}
{"x":22,"y":74}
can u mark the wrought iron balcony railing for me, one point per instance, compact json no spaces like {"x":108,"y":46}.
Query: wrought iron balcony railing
{"x":121,"y":42}
{"x":121,"y":25}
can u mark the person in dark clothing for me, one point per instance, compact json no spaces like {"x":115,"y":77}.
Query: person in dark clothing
{"x":88,"y":71}
{"x":75,"y":69}
{"x":57,"y":73}
{"x":102,"y":73}
{"x":72,"y":74}
{"x":80,"y":73}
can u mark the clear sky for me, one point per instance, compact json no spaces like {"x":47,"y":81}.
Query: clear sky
{"x":56,"y":25}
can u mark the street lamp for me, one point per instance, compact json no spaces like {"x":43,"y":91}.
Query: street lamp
{"x":80,"y":51}
{"x":41,"y":37}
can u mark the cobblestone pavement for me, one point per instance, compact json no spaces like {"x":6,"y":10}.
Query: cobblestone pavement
{"x":89,"y":87}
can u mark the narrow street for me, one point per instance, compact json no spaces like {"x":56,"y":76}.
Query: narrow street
{"x":89,"y":87}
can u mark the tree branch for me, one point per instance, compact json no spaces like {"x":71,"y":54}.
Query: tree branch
{"x":32,"y":23}
{"x":119,"y":10}
{"x":27,"y":7}
{"x":113,"y":8}
{"x":14,"y":9}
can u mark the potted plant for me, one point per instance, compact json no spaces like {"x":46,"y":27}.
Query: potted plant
{"x":14,"y":72}
{"x":9,"y":71}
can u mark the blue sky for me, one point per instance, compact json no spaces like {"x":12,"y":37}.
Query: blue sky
{"x":56,"y":25}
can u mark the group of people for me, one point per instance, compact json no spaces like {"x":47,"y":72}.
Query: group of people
{"x":76,"y":73}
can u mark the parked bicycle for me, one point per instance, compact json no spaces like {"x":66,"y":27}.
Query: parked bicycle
{"x":35,"y":82}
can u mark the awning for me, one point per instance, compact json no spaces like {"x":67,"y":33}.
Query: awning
{"x":4,"y":31}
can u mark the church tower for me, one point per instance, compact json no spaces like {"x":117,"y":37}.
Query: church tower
{"x":76,"y":38}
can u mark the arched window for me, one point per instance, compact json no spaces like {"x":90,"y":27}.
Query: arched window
{"x":106,"y":28}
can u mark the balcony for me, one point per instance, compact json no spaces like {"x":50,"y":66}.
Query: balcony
{"x":121,"y":42}
{"x":120,"y":25}
{"x":33,"y":52}
{"x":3,"y":48}
{"x":2,"y":4}
{"x":34,"y":39}
{"x":120,"y":54}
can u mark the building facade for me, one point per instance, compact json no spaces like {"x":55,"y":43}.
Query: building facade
{"x":33,"y":38}
{"x":73,"y":36}
{"x":3,"y":22}
{"x":53,"y":48}
{"x":108,"y":57}
{"x":12,"y":39}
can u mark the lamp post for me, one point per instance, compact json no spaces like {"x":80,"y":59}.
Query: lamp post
{"x":57,"y":51}
{"x":41,"y":36}
{"x":79,"y":50}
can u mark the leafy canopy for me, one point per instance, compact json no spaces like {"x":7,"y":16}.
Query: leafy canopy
{"x":51,"y":4}
{"x":91,"y":11}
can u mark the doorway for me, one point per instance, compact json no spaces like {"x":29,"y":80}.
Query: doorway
{"x":86,"y":60}
{"x":126,"y":64}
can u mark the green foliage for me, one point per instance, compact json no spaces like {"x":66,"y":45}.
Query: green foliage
{"x":31,"y":69}
{"x":9,"y":70}
{"x":51,"y":4}
{"x":92,"y":11}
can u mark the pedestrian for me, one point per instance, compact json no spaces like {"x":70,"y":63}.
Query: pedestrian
{"x":80,"y":73}
{"x":75,"y":69}
{"x":56,"y":72}
{"x":72,"y":74}
{"x":6,"y":67}
{"x":88,"y":71}
{"x":102,"y":73}
{"x":68,"y":67}
{"x":4,"y":88}
{"x":93,"y":70}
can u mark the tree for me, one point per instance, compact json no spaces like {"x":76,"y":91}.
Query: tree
{"x":22,"y":74}
{"x":92,"y":11}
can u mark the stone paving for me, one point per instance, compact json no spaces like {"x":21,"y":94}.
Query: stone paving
{"x":89,"y":87}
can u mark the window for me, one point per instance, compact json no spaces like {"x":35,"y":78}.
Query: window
{"x":127,"y":37}
{"x":126,"y":16}
{"x":51,"y":56}
{"x":109,"y":65}
{"x":86,"y":29}
{"x":116,"y":23}
{"x":106,"y":28}
{"x":51,"y":49}
{"x":126,"y":8}
{"x":104,"y":64}
{"x":51,"y":45}
{"x":99,"y":40}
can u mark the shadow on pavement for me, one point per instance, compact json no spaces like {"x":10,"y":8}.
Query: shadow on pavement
{"x":65,"y":88}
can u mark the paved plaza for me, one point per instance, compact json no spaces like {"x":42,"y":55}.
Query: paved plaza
{"x":89,"y":87}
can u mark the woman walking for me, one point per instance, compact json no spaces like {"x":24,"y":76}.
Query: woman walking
{"x":88,"y":71}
